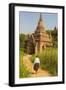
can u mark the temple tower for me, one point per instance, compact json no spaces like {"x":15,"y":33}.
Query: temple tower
{"x":39,"y":40}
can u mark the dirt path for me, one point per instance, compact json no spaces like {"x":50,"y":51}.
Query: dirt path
{"x":29,"y":66}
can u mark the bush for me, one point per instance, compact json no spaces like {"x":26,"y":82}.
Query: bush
{"x":23,"y":72}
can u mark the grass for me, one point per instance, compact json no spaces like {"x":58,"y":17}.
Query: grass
{"x":49,"y":60}
{"x":23,"y":72}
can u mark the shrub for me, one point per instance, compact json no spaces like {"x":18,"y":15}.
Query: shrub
{"x":23,"y":72}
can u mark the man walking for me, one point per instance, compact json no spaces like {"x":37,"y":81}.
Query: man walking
{"x":36,"y":64}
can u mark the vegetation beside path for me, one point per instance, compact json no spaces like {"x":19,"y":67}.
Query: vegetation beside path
{"x":49,"y":60}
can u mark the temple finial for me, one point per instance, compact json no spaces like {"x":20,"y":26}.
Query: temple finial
{"x":40,"y":17}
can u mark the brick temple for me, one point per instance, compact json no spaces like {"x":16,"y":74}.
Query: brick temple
{"x":39,"y":39}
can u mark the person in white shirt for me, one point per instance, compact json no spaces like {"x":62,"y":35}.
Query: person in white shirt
{"x":36,"y":64}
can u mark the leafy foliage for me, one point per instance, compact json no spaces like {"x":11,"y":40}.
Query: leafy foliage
{"x":23,"y":72}
{"x":22,"y":38}
{"x":54,"y":34}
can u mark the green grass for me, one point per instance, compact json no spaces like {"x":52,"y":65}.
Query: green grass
{"x":23,"y":72}
{"x":49,"y":60}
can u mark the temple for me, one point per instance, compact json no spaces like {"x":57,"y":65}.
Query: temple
{"x":39,"y":39}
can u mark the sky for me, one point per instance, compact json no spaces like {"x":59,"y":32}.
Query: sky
{"x":28,"y":21}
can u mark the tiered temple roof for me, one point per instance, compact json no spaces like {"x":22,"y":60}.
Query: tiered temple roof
{"x":40,"y":32}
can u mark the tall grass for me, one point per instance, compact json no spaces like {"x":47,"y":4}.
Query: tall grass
{"x":23,"y":72}
{"x":49,"y":60}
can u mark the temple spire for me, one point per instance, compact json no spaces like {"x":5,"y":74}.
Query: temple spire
{"x":40,"y":17}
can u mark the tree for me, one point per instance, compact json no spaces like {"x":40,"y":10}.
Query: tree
{"x":54,"y":34}
{"x":22,"y":38}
